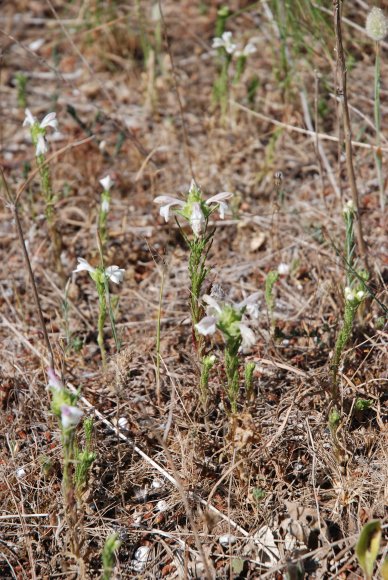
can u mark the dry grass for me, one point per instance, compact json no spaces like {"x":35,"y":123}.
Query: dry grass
{"x":270,"y":474}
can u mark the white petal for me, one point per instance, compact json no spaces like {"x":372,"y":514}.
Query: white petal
{"x":41,"y":146}
{"x":106,"y":183}
{"x":70,"y":416}
{"x":167,"y":201}
{"x":227,"y":36}
{"x":50,"y":120}
{"x":115,"y":274}
{"x":250,"y":48}
{"x":251,"y":305}
{"x":218,"y":42}
{"x":229,"y":46}
{"x":219,"y":197}
{"x":212,"y":302}
{"x":247,"y":335}
{"x":29,"y":118}
{"x":197,"y":219}
{"x":222,"y":209}
{"x":54,"y":381}
{"x":207,"y":325}
{"x":84,"y":265}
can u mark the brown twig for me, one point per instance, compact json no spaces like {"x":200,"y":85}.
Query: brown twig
{"x":12,"y":204}
{"x":341,"y":83}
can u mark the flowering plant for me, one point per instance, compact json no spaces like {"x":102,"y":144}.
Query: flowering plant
{"x":228,"y":50}
{"x":230,"y":320}
{"x":38,"y":136}
{"x":196,"y":210}
{"x":38,"y":130}
{"x":101,"y":276}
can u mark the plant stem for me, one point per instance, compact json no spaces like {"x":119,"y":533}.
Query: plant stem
{"x":377,"y":112}
{"x":343,"y":100}
{"x":12,"y":204}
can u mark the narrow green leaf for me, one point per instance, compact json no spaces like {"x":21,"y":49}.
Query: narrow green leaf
{"x":368,"y":546}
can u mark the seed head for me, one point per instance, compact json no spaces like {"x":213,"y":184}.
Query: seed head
{"x":376,"y":25}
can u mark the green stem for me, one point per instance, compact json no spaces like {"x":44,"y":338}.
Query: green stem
{"x":343,"y":337}
{"x":231,"y":369}
{"x":101,"y":321}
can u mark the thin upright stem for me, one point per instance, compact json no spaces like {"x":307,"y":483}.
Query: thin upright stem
{"x":344,"y":108}
{"x":377,"y":114}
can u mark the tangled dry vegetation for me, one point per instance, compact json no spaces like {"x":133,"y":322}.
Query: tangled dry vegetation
{"x":258,"y":494}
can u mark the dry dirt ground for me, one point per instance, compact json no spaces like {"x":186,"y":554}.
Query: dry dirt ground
{"x":259,"y":494}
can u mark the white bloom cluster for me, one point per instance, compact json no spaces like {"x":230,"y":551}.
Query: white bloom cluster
{"x":106,"y":183}
{"x":349,"y":208}
{"x":38,"y":130}
{"x":113,"y":273}
{"x":225,"y":41}
{"x":376,"y":25}
{"x":228,"y":318}
{"x":70,"y":416}
{"x":353,"y":295}
{"x":195,"y":209}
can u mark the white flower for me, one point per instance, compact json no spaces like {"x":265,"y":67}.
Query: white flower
{"x":105,"y":205}
{"x":225,"y":41}
{"x":349,"y":294}
{"x":106,"y":183}
{"x":50,"y":120}
{"x":247,"y":335}
{"x":84,"y":265}
{"x":193,"y":209}
{"x":283,"y":269}
{"x":29,"y":118}
{"x":38,"y":129}
{"x":218,"y":313}
{"x":376,"y":25}
{"x":70,"y":416}
{"x":249,"y":48}
{"x":167,"y":201}
{"x":54,"y":381}
{"x":214,"y":308}
{"x":360,"y":295}
{"x":251,"y":305}
{"x":197,"y":219}
{"x":206,"y":326}
{"x":115,"y":274}
{"x":219,"y":199}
